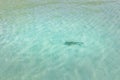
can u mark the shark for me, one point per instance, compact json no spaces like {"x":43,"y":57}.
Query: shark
{"x":71,"y":43}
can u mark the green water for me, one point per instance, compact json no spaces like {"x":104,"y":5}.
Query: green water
{"x":59,"y":40}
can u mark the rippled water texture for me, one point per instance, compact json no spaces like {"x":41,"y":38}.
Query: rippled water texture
{"x":59,"y":40}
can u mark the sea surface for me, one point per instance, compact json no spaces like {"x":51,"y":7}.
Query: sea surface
{"x":59,"y":39}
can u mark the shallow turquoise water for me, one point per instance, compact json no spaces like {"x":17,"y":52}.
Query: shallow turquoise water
{"x":32,"y":42}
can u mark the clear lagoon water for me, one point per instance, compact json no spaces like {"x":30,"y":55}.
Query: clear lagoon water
{"x":59,"y":40}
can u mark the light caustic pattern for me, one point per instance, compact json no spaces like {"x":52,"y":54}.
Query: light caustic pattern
{"x":59,"y":40}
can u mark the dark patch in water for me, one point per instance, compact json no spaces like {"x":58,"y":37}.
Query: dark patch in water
{"x":71,"y":43}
